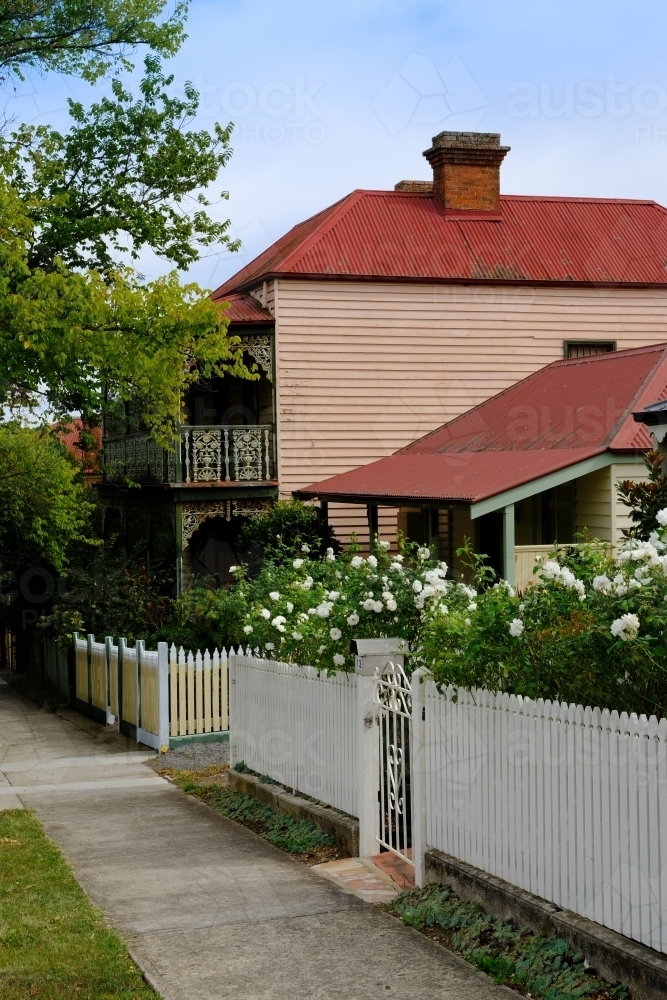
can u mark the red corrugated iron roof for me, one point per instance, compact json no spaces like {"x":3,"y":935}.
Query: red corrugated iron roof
{"x":559,"y":416}
{"x":455,"y":477}
{"x":244,"y":308}
{"x":70,"y":435}
{"x":398,"y":235}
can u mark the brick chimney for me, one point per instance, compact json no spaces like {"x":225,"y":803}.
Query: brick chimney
{"x":466,"y":171}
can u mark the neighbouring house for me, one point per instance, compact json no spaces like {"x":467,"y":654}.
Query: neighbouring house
{"x":538,"y":463}
{"x":72,"y":436}
{"x":375,"y":320}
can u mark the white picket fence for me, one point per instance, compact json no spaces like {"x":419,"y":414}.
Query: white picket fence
{"x":298,"y":726}
{"x":565,"y":802}
{"x":160,"y":697}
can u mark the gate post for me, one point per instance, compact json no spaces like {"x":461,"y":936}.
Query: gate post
{"x":418,"y":776}
{"x":163,"y":696}
{"x":371,"y":655}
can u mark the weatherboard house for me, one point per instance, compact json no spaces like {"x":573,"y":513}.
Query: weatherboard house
{"x":374,"y":321}
{"x":535,"y":464}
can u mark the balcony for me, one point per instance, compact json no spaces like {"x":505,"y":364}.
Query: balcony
{"x":203,"y":454}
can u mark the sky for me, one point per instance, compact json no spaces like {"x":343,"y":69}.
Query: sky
{"x":326,"y":98}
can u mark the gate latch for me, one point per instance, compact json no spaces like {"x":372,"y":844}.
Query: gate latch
{"x":368,"y":720}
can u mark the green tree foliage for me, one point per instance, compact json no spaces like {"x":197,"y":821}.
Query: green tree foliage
{"x":129,"y":174}
{"x":78,"y":338}
{"x":84,"y":37}
{"x":44,"y":506}
{"x":645,"y":499}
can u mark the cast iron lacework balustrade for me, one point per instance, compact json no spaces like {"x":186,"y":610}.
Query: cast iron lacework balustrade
{"x":236,"y":454}
{"x":207,"y":455}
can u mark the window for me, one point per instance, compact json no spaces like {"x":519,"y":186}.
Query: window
{"x":585,"y":348}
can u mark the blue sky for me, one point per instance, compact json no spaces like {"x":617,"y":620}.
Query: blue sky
{"x":327,"y":98}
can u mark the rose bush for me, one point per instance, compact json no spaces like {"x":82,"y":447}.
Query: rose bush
{"x":591,"y":630}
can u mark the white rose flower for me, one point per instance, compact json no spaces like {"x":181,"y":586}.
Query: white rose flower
{"x":383,"y":545}
{"x":333,"y":595}
{"x":661,"y":517}
{"x":305,"y":548}
{"x":424,"y":553}
{"x":335,"y":634}
{"x":269,"y":645}
{"x":274,"y":595}
{"x":303,"y":616}
{"x":312,"y":611}
{"x":378,"y":606}
{"x":602,"y":584}
{"x":330,"y":557}
{"x":355,"y":562}
{"x":620,"y":589}
{"x":321,"y":650}
{"x":324,"y":609}
{"x":338,"y":659}
{"x":372,"y":561}
{"x":368,"y":604}
{"x":626,"y":627}
{"x":279,"y":620}
{"x":297,"y":636}
{"x":233,"y":569}
{"x":298,"y":563}
{"x":443,"y":609}
{"x":339,"y":575}
{"x":290,"y":607}
{"x":396,"y":566}
{"x":247,"y":629}
{"x":516,"y":627}
{"x":467,"y":622}
{"x":353,"y":619}
{"x":391,"y":604}
{"x":472,"y":606}
{"x":417,"y":586}
{"x":307,"y":583}
{"x":265,"y":613}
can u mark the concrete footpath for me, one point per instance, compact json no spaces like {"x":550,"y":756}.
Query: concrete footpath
{"x":211,"y":910}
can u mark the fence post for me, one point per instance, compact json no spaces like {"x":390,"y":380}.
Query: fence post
{"x":163,"y":695}
{"x":121,"y":668}
{"x":233,"y":725}
{"x":418,"y":776}
{"x":108,"y":642}
{"x":90,"y":639}
{"x":140,"y":645}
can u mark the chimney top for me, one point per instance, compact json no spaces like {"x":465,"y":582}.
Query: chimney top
{"x":466,"y":171}
{"x":468,"y":140}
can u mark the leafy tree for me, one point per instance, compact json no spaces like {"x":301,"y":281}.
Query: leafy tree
{"x":645,"y":499}
{"x":80,"y":337}
{"x":44,"y":506}
{"x":122,"y":179}
{"x":82,"y":37}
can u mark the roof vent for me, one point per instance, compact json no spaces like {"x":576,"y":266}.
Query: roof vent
{"x":466,"y":171}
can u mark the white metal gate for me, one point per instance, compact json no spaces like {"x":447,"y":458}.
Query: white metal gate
{"x":394,"y":696}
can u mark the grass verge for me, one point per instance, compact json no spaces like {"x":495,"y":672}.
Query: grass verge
{"x":53,"y":942}
{"x":297,"y":837}
{"x":546,"y":968}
